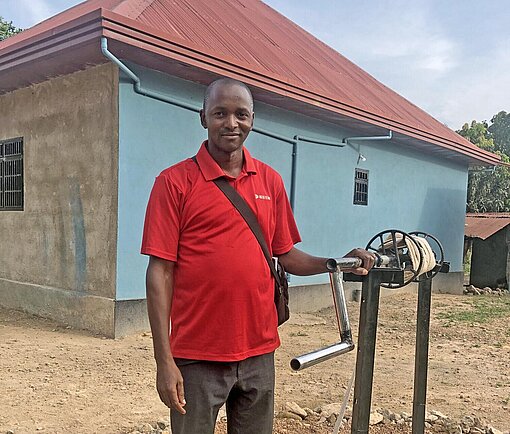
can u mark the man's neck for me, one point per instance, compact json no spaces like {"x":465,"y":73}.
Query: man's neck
{"x":230,"y":163}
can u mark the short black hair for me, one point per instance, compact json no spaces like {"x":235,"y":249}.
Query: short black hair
{"x":228,"y":82}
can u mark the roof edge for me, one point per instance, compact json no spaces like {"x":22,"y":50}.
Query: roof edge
{"x":129,"y":31}
{"x":32,"y":36}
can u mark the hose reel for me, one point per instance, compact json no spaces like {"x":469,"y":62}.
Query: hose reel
{"x":401,"y":258}
{"x":410,"y":253}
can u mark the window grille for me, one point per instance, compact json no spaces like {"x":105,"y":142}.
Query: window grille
{"x":360,"y":187}
{"x":11,"y":174}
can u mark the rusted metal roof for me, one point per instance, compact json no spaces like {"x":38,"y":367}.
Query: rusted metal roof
{"x":484,"y":225}
{"x":245,"y":39}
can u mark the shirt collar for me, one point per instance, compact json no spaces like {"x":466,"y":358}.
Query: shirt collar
{"x":211,"y":169}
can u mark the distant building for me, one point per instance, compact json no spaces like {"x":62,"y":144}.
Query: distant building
{"x":83,"y":135}
{"x":488,"y":241}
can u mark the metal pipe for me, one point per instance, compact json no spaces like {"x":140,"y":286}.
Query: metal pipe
{"x":274,"y":135}
{"x":124,"y":68}
{"x":137,"y":84}
{"x":342,"y":264}
{"x":293,"y":173}
{"x":363,"y":138}
{"x":320,"y":355}
{"x":361,"y":157}
{"x":319,"y":141}
{"x":342,"y":316}
{"x":346,"y":263}
{"x":421,"y":355}
{"x":345,"y":345}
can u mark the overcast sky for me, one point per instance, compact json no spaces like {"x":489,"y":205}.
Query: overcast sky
{"x":451,"y":58}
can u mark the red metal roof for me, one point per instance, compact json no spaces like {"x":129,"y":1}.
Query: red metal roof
{"x":245,"y":39}
{"x":484,"y":225}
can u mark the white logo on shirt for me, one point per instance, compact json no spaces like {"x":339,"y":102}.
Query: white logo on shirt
{"x":262,"y":197}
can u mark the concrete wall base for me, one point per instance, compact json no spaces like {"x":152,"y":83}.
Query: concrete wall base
{"x":100,"y":315}
{"x":131,"y":317}
{"x":115,"y":319}
{"x":74,"y":308}
{"x":449,"y":283}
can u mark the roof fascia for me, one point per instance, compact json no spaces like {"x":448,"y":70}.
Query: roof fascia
{"x":40,"y":37}
{"x":68,"y":34}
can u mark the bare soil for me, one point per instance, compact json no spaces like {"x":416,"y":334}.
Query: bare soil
{"x":55,"y":379}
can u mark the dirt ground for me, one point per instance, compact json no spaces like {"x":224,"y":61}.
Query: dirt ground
{"x":59,"y":380}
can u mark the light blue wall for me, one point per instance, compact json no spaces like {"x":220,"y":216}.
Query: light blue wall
{"x":407,"y":190}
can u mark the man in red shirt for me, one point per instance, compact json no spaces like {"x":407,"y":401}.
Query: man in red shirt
{"x":208,"y":275}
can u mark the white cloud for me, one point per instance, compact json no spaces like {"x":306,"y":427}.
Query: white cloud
{"x":26,"y":13}
{"x":439,"y":55}
{"x":439,"y":65}
{"x":481,"y":91}
{"x":410,"y":37}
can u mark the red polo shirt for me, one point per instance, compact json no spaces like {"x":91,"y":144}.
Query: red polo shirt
{"x":222,"y":307}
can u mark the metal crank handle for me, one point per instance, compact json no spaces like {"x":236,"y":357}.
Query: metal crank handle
{"x":322,"y":354}
{"x":345,"y":345}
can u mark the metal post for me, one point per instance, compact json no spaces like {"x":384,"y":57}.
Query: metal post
{"x":366,"y":352}
{"x":421,"y":355}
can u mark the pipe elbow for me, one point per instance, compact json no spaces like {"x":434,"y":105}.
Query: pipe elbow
{"x":104,"y":46}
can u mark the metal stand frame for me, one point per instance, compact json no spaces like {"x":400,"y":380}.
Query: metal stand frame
{"x":393,"y":259}
{"x":366,"y":351}
{"x":421,"y":357}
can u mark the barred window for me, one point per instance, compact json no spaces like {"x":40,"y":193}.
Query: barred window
{"x":360,"y":187}
{"x":11,"y":174}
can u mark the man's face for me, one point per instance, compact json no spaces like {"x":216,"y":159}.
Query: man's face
{"x":228,"y":117}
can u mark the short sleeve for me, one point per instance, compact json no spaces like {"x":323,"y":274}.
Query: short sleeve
{"x":286,"y":231}
{"x":161,"y":228}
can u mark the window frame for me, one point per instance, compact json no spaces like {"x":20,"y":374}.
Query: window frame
{"x":12,"y":186}
{"x":360,"y":196}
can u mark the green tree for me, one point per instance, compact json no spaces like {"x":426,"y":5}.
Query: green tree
{"x":478,"y":133}
{"x":7,"y":29}
{"x":488,"y":190}
{"x":500,"y":131}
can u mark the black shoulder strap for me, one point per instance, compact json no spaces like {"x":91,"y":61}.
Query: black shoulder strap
{"x":249,"y":217}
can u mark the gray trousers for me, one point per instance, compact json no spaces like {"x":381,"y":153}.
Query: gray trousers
{"x":247,"y":388}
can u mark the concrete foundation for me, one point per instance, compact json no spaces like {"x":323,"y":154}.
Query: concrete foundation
{"x":131,"y":315}
{"x":115,"y":319}
{"x":74,"y":308}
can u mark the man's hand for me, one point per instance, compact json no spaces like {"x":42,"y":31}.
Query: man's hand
{"x":367,"y":258}
{"x":170,"y":386}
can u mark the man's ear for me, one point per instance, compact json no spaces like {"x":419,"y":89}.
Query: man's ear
{"x":252,"y":119}
{"x":202,"y":119}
